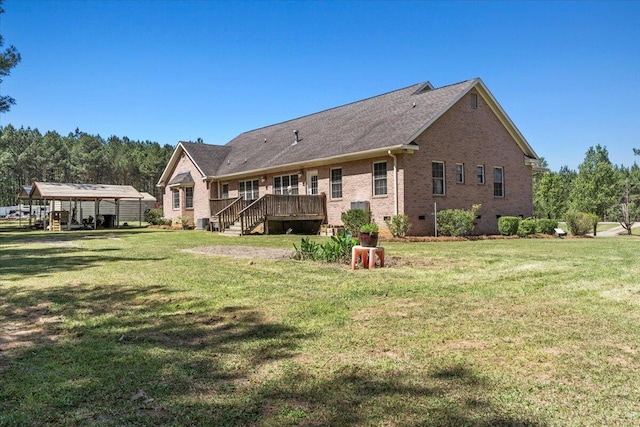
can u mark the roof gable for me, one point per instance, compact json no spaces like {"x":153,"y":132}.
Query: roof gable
{"x":205,"y":157}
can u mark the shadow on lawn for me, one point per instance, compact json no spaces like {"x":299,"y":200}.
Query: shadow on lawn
{"x":146,"y":356}
{"x":18,"y":262}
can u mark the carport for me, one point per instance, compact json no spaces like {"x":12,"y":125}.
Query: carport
{"x":59,"y":218}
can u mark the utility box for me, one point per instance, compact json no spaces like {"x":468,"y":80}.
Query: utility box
{"x":202,"y":224}
{"x":364,"y":205}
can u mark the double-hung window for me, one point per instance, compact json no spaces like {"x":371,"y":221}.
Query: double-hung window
{"x":459,"y":173}
{"x":188,"y":197}
{"x":249,"y":189}
{"x":380,"y":179}
{"x":336,"y":183}
{"x":437,"y":177}
{"x":175,"y":195}
{"x":286,"y":184}
{"x":480,"y":174}
{"x":498,"y":182}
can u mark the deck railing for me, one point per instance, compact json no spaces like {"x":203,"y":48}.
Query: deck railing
{"x":276,"y":205}
{"x":251,"y":213}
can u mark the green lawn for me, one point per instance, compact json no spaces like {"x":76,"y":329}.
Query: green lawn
{"x":120,"y":327}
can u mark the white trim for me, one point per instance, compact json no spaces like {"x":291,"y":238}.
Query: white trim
{"x":373,"y":178}
{"x":462,"y":181}
{"x":484,"y":175}
{"x":497,"y":110}
{"x":343,"y":158}
{"x":310,"y":174}
{"x":444,"y":178}
{"x":173,"y":161}
{"x":501,"y":168}
{"x":331,"y":184}
{"x":283,"y":189}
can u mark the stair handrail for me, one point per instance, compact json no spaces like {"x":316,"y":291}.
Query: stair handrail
{"x":256,"y":212}
{"x":229,"y":215}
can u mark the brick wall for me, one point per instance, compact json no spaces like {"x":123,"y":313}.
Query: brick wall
{"x":201,"y":194}
{"x":471,"y":137}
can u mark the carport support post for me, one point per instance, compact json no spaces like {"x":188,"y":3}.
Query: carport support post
{"x":97,"y":212}
{"x":117,"y":213}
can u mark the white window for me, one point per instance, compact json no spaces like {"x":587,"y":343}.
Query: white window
{"x":336,"y":183}
{"x":480,"y":174}
{"x":249,"y":189}
{"x":459,"y":173}
{"x":286,"y":184}
{"x":188,"y":197}
{"x":176,"y":198}
{"x":225,"y":191}
{"x":474,"y":101}
{"x":437,"y":177}
{"x":380,"y":178}
{"x":312,"y":182}
{"x":498,"y":182}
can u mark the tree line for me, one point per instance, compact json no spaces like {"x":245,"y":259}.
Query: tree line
{"x":26,"y":155}
{"x":598,"y":187}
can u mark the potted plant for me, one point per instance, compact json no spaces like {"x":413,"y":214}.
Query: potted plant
{"x":368,"y":235}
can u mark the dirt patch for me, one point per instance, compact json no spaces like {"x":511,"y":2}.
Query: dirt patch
{"x":22,"y":328}
{"x":242,"y":252}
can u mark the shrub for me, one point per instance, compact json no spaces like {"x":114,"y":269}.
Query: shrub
{"x":580,"y":223}
{"x":398,"y":225}
{"x":546,"y":226}
{"x":527,"y":227}
{"x":338,"y":249}
{"x":508,"y":225}
{"x":308,"y":249}
{"x":456,"y":222}
{"x":353,"y":219}
{"x":154,"y":216}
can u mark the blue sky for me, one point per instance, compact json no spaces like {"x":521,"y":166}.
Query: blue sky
{"x":567,"y":73}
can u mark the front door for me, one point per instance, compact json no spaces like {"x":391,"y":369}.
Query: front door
{"x":312,"y":183}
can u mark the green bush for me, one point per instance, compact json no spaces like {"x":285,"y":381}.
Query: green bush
{"x":456,"y":222}
{"x":580,"y":223}
{"x":154,"y":216}
{"x":508,"y":225}
{"x":353,"y":219}
{"x":527,"y":227}
{"x":398,"y":225}
{"x":546,"y":226}
{"x":338,"y":249}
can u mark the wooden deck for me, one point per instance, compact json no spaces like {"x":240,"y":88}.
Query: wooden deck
{"x":270,"y":207}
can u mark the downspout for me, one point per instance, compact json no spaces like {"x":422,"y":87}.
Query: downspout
{"x":395,"y":182}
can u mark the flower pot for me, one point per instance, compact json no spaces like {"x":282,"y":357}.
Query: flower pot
{"x":369,"y":240}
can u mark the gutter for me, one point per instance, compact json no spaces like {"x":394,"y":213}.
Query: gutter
{"x":395,"y":182}
{"x":400,"y":148}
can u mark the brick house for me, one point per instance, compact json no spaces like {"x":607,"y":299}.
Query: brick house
{"x":400,"y":152}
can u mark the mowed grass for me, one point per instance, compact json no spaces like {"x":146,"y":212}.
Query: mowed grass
{"x":122,"y":328}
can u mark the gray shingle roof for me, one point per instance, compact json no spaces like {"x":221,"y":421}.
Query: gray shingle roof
{"x":382,"y":121}
{"x":183,"y":178}
{"x":206,"y":156}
